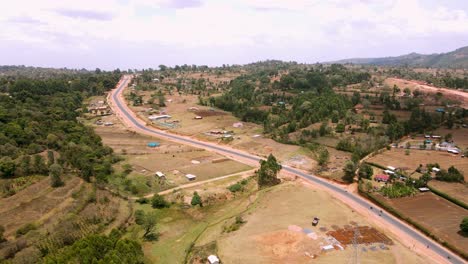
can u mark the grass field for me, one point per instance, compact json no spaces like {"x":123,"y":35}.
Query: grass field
{"x":436,"y":214}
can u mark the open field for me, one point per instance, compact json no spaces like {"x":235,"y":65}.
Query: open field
{"x":248,"y":137}
{"x":436,"y":214}
{"x":272,"y":235}
{"x":397,"y":158}
{"x":174,"y":160}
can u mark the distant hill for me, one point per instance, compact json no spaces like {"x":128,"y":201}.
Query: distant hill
{"x":455,"y":59}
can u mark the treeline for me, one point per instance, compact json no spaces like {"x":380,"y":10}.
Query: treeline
{"x":38,"y":120}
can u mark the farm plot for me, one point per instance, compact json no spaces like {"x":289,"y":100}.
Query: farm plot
{"x":397,"y":158}
{"x":458,"y":191}
{"x":438,"y":215}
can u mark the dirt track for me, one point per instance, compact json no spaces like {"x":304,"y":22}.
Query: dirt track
{"x":449,"y":93}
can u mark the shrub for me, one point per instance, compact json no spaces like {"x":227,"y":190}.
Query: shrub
{"x":142,"y":200}
{"x":25,"y":229}
{"x":452,"y":175}
{"x":398,"y":190}
{"x":464,"y":225}
{"x":235,"y":187}
{"x":196,"y":200}
{"x":159,"y":202}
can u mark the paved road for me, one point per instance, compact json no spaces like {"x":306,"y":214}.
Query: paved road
{"x":370,"y":207}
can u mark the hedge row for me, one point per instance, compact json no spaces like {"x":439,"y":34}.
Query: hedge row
{"x":448,"y":197}
{"x":375,"y":165}
{"x":411,"y":222}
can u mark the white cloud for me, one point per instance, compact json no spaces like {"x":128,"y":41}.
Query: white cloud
{"x":237,"y":24}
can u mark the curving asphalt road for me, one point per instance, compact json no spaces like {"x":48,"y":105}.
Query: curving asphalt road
{"x":370,"y":207}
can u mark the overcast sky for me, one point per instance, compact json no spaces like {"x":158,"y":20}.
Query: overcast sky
{"x":145,"y":33}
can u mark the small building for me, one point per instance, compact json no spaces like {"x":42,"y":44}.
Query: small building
{"x":427,"y":136}
{"x":190,"y":177}
{"x":440,"y":110}
{"x":212,"y":259}
{"x":389,"y":172}
{"x":423,"y":189}
{"x":435,"y":169}
{"x":153,"y":144}
{"x":160,"y":175}
{"x":453,"y":151}
{"x":327,"y":247}
{"x":437,"y":137}
{"x":381,"y":178}
{"x":198,"y":117}
{"x":108,"y":124}
{"x":391,"y":168}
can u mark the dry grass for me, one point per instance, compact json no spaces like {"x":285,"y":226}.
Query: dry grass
{"x":265,"y":237}
{"x":456,"y":190}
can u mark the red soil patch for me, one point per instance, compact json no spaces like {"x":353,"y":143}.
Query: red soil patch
{"x":367,"y":235}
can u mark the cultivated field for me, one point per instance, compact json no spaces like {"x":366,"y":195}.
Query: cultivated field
{"x":436,"y":214}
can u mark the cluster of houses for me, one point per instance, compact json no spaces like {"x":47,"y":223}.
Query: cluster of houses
{"x":99,"y":108}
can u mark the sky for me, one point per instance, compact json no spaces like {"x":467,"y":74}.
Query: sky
{"x":135,"y":34}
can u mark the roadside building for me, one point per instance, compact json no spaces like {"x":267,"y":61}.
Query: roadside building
{"x":158,"y":117}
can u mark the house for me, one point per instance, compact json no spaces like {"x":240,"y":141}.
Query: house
{"x":381,"y":178}
{"x":427,"y":136}
{"x":435,"y":169}
{"x":160,"y":175}
{"x":391,"y":168}
{"x":198,"y":117}
{"x":433,"y":136}
{"x":389,"y":172}
{"x":212,"y":259}
{"x":423,"y":189}
{"x":158,"y":117}
{"x":190,"y":177}
{"x":108,"y":124}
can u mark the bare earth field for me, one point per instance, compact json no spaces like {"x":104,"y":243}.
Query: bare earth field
{"x":397,"y":158}
{"x":436,"y":214}
{"x":276,"y":228}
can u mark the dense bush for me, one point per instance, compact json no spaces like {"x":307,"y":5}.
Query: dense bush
{"x":452,"y":175}
{"x":159,"y":202}
{"x":398,"y":190}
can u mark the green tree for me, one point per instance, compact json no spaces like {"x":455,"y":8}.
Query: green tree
{"x":464,"y":225}
{"x":340,"y":128}
{"x":323,"y":156}
{"x":267,"y":174}
{"x":149,"y":225}
{"x":139,"y":217}
{"x":159,"y":202}
{"x":196,"y":200}
{"x":7,"y":167}
{"x":50,"y":157}
{"x":365,"y":171}
{"x":55,"y":172}
{"x":349,"y":171}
